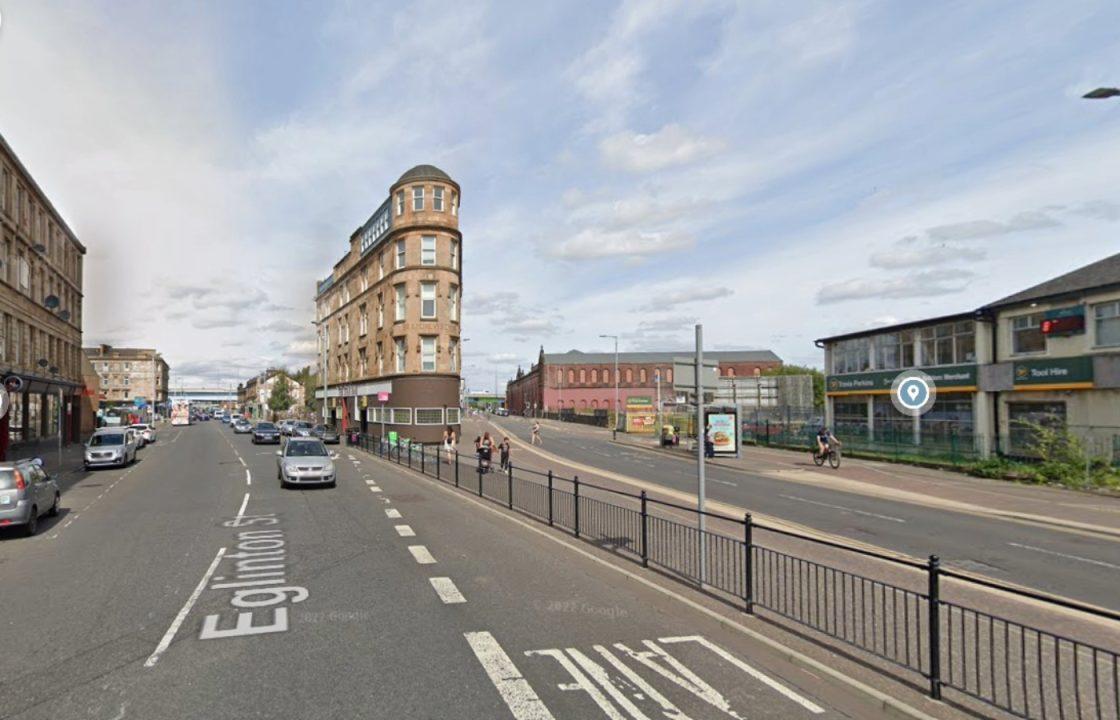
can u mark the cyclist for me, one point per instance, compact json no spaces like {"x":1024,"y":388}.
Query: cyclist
{"x":825,"y":440}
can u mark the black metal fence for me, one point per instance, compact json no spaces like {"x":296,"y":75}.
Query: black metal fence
{"x":1025,"y":671}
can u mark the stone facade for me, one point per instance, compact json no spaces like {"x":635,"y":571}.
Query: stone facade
{"x":129,"y":373}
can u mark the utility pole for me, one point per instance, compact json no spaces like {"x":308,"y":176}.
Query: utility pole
{"x":617,"y":408}
{"x":701,"y":438}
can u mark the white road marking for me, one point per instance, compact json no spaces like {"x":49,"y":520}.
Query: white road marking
{"x":170,"y":634}
{"x":374,"y":488}
{"x":582,"y":682}
{"x":846,"y":509}
{"x":518,"y":695}
{"x":248,"y":477}
{"x":447,"y":591}
{"x":243,"y":504}
{"x":757,"y":675}
{"x":242,"y":460}
{"x":392,"y":513}
{"x":1102,"y":563}
{"x":669,"y":709}
{"x":421,"y":554}
{"x":371,"y":482}
{"x":405,"y":530}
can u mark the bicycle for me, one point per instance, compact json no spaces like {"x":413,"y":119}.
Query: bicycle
{"x":833,"y":457}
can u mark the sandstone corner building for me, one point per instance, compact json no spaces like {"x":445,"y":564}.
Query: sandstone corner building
{"x":388,"y":314}
{"x":1047,"y":355}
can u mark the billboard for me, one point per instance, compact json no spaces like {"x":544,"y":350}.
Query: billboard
{"x":724,"y":432}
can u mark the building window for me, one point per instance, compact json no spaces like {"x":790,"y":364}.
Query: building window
{"x":400,"y":203}
{"x":1026,"y":334}
{"x":453,"y":416}
{"x":418,"y":198}
{"x":1106,"y":323}
{"x":454,"y":254}
{"x":629,"y":375}
{"x":642,"y":374}
{"x":428,"y":353}
{"x":668,"y":374}
{"x":401,"y":352}
{"x":453,"y":303}
{"x":851,"y":356}
{"x":401,"y":416}
{"x":454,"y":203}
{"x":381,"y":266}
{"x":380,"y":360}
{"x":400,"y":302}
{"x":582,"y":376}
{"x":453,"y":355}
{"x":594,"y":376}
{"x":428,"y":250}
{"x":427,"y":300}
{"x":24,"y":274}
{"x":363,"y":320}
{"x":380,"y":312}
{"x":571,"y":377}
{"x":364,"y":282}
{"x":429,"y":416}
{"x":400,"y":254}
{"x":437,"y":199}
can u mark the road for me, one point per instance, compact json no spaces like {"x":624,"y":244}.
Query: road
{"x":1075,"y":565}
{"x":192,"y":586}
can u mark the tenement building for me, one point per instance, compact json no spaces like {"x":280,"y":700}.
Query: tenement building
{"x":253,"y":395}
{"x":40,"y":310}
{"x":128,"y":375}
{"x":585,"y":382}
{"x":1048,"y":355}
{"x":388,"y":314}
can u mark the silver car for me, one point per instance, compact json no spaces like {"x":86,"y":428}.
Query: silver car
{"x":146,"y":432}
{"x":26,"y":493}
{"x":110,"y":447}
{"x":305,"y":461}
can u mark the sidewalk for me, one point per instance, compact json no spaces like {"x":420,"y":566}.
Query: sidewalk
{"x":1049,"y":506}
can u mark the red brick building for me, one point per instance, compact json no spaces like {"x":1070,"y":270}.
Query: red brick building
{"x":584,"y":382}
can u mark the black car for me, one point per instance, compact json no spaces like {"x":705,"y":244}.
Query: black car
{"x":266,"y":432}
{"x":326,"y":433}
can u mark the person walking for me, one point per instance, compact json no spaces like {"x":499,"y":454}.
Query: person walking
{"x":486,"y":451}
{"x":449,"y":443}
{"x":709,"y":443}
{"x":536,"y":439}
{"x":503,"y":452}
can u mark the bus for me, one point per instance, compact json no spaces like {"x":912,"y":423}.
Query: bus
{"x":180,"y":412}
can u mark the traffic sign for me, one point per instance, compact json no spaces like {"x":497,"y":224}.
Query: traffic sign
{"x":382,"y":397}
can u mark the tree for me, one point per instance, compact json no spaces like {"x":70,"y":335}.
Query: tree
{"x":280,"y":399}
{"x":818,"y":379}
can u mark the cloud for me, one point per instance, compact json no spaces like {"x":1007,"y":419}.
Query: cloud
{"x":1099,"y":210}
{"x":978,"y":229}
{"x":503,"y":358}
{"x":913,"y":251}
{"x":203,"y":323}
{"x":527,"y":326}
{"x":594,"y":244}
{"x":285,"y":326}
{"x":670,"y":146}
{"x":682,"y":296}
{"x":674,"y":322}
{"x":489,"y":303}
{"x":932,"y":283}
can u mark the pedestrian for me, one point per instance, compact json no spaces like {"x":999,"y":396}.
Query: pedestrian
{"x":709,"y":444}
{"x":503,"y":450}
{"x":486,"y":451}
{"x":449,"y":443}
{"x":536,"y":439}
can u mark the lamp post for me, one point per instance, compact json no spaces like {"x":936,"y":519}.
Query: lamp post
{"x":614,"y":427}
{"x":324,"y":341}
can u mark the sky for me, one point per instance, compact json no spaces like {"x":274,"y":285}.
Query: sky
{"x":778,"y":172}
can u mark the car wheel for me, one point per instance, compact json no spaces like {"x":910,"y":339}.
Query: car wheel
{"x":32,"y":525}
{"x":53,"y":512}
{"x":332,"y":483}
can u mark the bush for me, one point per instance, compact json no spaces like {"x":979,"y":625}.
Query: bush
{"x":1063,"y":459}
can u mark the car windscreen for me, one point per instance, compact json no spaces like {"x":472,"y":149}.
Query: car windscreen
{"x":106,"y":439}
{"x":265,"y":426}
{"x":7,"y":479}
{"x":305,"y":449}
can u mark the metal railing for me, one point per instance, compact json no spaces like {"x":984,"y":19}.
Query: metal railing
{"x":904,"y":622}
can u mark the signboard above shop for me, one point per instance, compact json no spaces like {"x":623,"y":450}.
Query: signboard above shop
{"x":959,"y":378}
{"x":1073,"y":373}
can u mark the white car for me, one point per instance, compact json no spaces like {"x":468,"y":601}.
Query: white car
{"x":145,"y":432}
{"x":110,"y":446}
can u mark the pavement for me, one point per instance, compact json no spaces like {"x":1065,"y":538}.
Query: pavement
{"x":190,"y":585}
{"x":1059,"y":542}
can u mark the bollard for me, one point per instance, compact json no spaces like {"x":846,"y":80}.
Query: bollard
{"x":509,"y":484}
{"x":422,"y":460}
{"x":439,"y":462}
{"x":645,"y":533}
{"x":480,"y":479}
{"x":575,"y":501}
{"x":456,"y":467}
{"x":934,"y":627}
{"x":550,"y":498}
{"x":748,"y":564}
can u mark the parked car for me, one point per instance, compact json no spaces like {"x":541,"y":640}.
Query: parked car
{"x":285,"y":426}
{"x":305,"y":461}
{"x":145,"y":431}
{"x":241,"y":426}
{"x":224,"y":418}
{"x":110,"y":446}
{"x":27,"y":492}
{"x":502,"y":412}
{"x":266,"y":432}
{"x":301,"y":428}
{"x":327,"y":433}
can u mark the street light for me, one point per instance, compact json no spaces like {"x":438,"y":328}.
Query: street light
{"x":323,"y":363}
{"x":614,"y":428}
{"x":1101,"y":93}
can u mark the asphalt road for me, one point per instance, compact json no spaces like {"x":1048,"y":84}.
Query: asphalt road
{"x":1055,"y":561}
{"x":192,"y":586}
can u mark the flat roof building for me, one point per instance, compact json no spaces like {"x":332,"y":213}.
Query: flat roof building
{"x":1049,"y":354}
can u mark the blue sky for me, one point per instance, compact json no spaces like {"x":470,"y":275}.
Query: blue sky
{"x":777,"y":171}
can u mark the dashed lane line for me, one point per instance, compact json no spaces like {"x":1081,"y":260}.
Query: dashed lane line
{"x":845,"y":509}
{"x":421,"y":555}
{"x":374,"y":488}
{"x":405,"y":530}
{"x":248,"y":477}
{"x":168,"y":636}
{"x":1067,"y":556}
{"x":244,"y":503}
{"x":447,"y":591}
{"x":392,"y":513}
